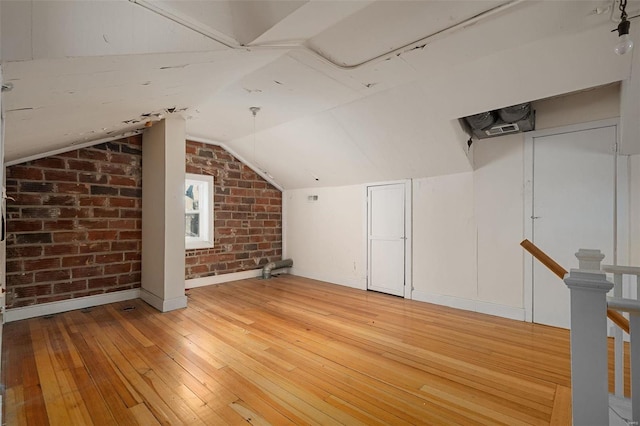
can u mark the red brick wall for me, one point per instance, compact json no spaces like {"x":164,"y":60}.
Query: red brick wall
{"x":74,"y":228}
{"x":247,"y":215}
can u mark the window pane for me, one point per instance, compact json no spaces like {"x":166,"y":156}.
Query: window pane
{"x":198,"y":197}
{"x":192,"y":224}
{"x":192,"y":197}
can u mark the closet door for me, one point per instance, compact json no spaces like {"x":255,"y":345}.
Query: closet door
{"x":573,"y":208}
{"x":386,"y":238}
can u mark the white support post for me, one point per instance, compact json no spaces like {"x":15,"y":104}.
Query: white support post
{"x":618,"y":343}
{"x":163,"y":215}
{"x":634,"y":332}
{"x":589,"y":382}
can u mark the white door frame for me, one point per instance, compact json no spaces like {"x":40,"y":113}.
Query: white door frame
{"x":3,"y":244}
{"x":408,"y":216}
{"x":528,"y":194}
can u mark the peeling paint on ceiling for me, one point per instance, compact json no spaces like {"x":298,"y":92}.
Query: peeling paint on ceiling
{"x":117,"y":66}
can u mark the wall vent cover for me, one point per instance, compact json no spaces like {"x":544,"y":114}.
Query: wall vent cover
{"x":502,"y":129}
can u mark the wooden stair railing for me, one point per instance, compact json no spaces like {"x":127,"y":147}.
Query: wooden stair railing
{"x":615,"y":316}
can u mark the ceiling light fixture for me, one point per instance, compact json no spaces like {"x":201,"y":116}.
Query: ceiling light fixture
{"x":625,"y":44}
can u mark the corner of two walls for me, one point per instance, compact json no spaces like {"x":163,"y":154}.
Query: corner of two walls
{"x":74,"y":221}
{"x":74,"y":224}
{"x":466,"y":226}
{"x":247,"y":215}
{"x":326,"y":237}
{"x":459,"y":220}
{"x":451,"y":232}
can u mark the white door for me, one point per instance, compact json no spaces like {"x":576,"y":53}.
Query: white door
{"x":386,"y":238}
{"x":573,"y":208}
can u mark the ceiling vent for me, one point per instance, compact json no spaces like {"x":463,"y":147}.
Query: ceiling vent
{"x":503,"y":121}
{"x":501,"y":129}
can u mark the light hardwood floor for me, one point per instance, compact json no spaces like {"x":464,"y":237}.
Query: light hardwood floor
{"x":284,"y":351}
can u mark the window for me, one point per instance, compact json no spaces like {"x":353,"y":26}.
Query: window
{"x":198,"y":201}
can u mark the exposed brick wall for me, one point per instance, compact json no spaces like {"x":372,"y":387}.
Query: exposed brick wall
{"x":74,"y":228}
{"x":247,"y":215}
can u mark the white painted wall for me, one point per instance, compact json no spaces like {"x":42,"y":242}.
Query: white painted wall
{"x":498,"y":198}
{"x":634,"y":210}
{"x":466,"y":226}
{"x":630,"y":105}
{"x":444,"y":237}
{"x":590,"y":105}
{"x":327,"y":238}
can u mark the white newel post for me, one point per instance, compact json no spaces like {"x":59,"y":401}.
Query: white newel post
{"x":589,"y":381}
{"x":634,"y":332}
{"x":618,"y":342}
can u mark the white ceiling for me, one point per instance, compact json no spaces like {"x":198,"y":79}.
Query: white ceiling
{"x":86,"y":70}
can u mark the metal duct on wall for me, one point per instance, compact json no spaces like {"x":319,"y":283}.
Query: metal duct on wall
{"x":266,"y":271}
{"x":513,"y":119}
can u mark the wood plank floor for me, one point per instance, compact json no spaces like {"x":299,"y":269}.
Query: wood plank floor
{"x":284,"y":351}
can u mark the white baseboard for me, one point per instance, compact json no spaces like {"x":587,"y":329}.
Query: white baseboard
{"x":480,"y":306}
{"x":17,"y":314}
{"x":359,"y":284}
{"x":220,"y":279}
{"x":163,"y":305}
{"x":498,"y":310}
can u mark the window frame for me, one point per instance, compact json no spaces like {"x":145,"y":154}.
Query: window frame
{"x":205,"y":210}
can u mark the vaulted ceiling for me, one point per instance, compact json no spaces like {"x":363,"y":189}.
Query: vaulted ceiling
{"x":349,"y":91}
